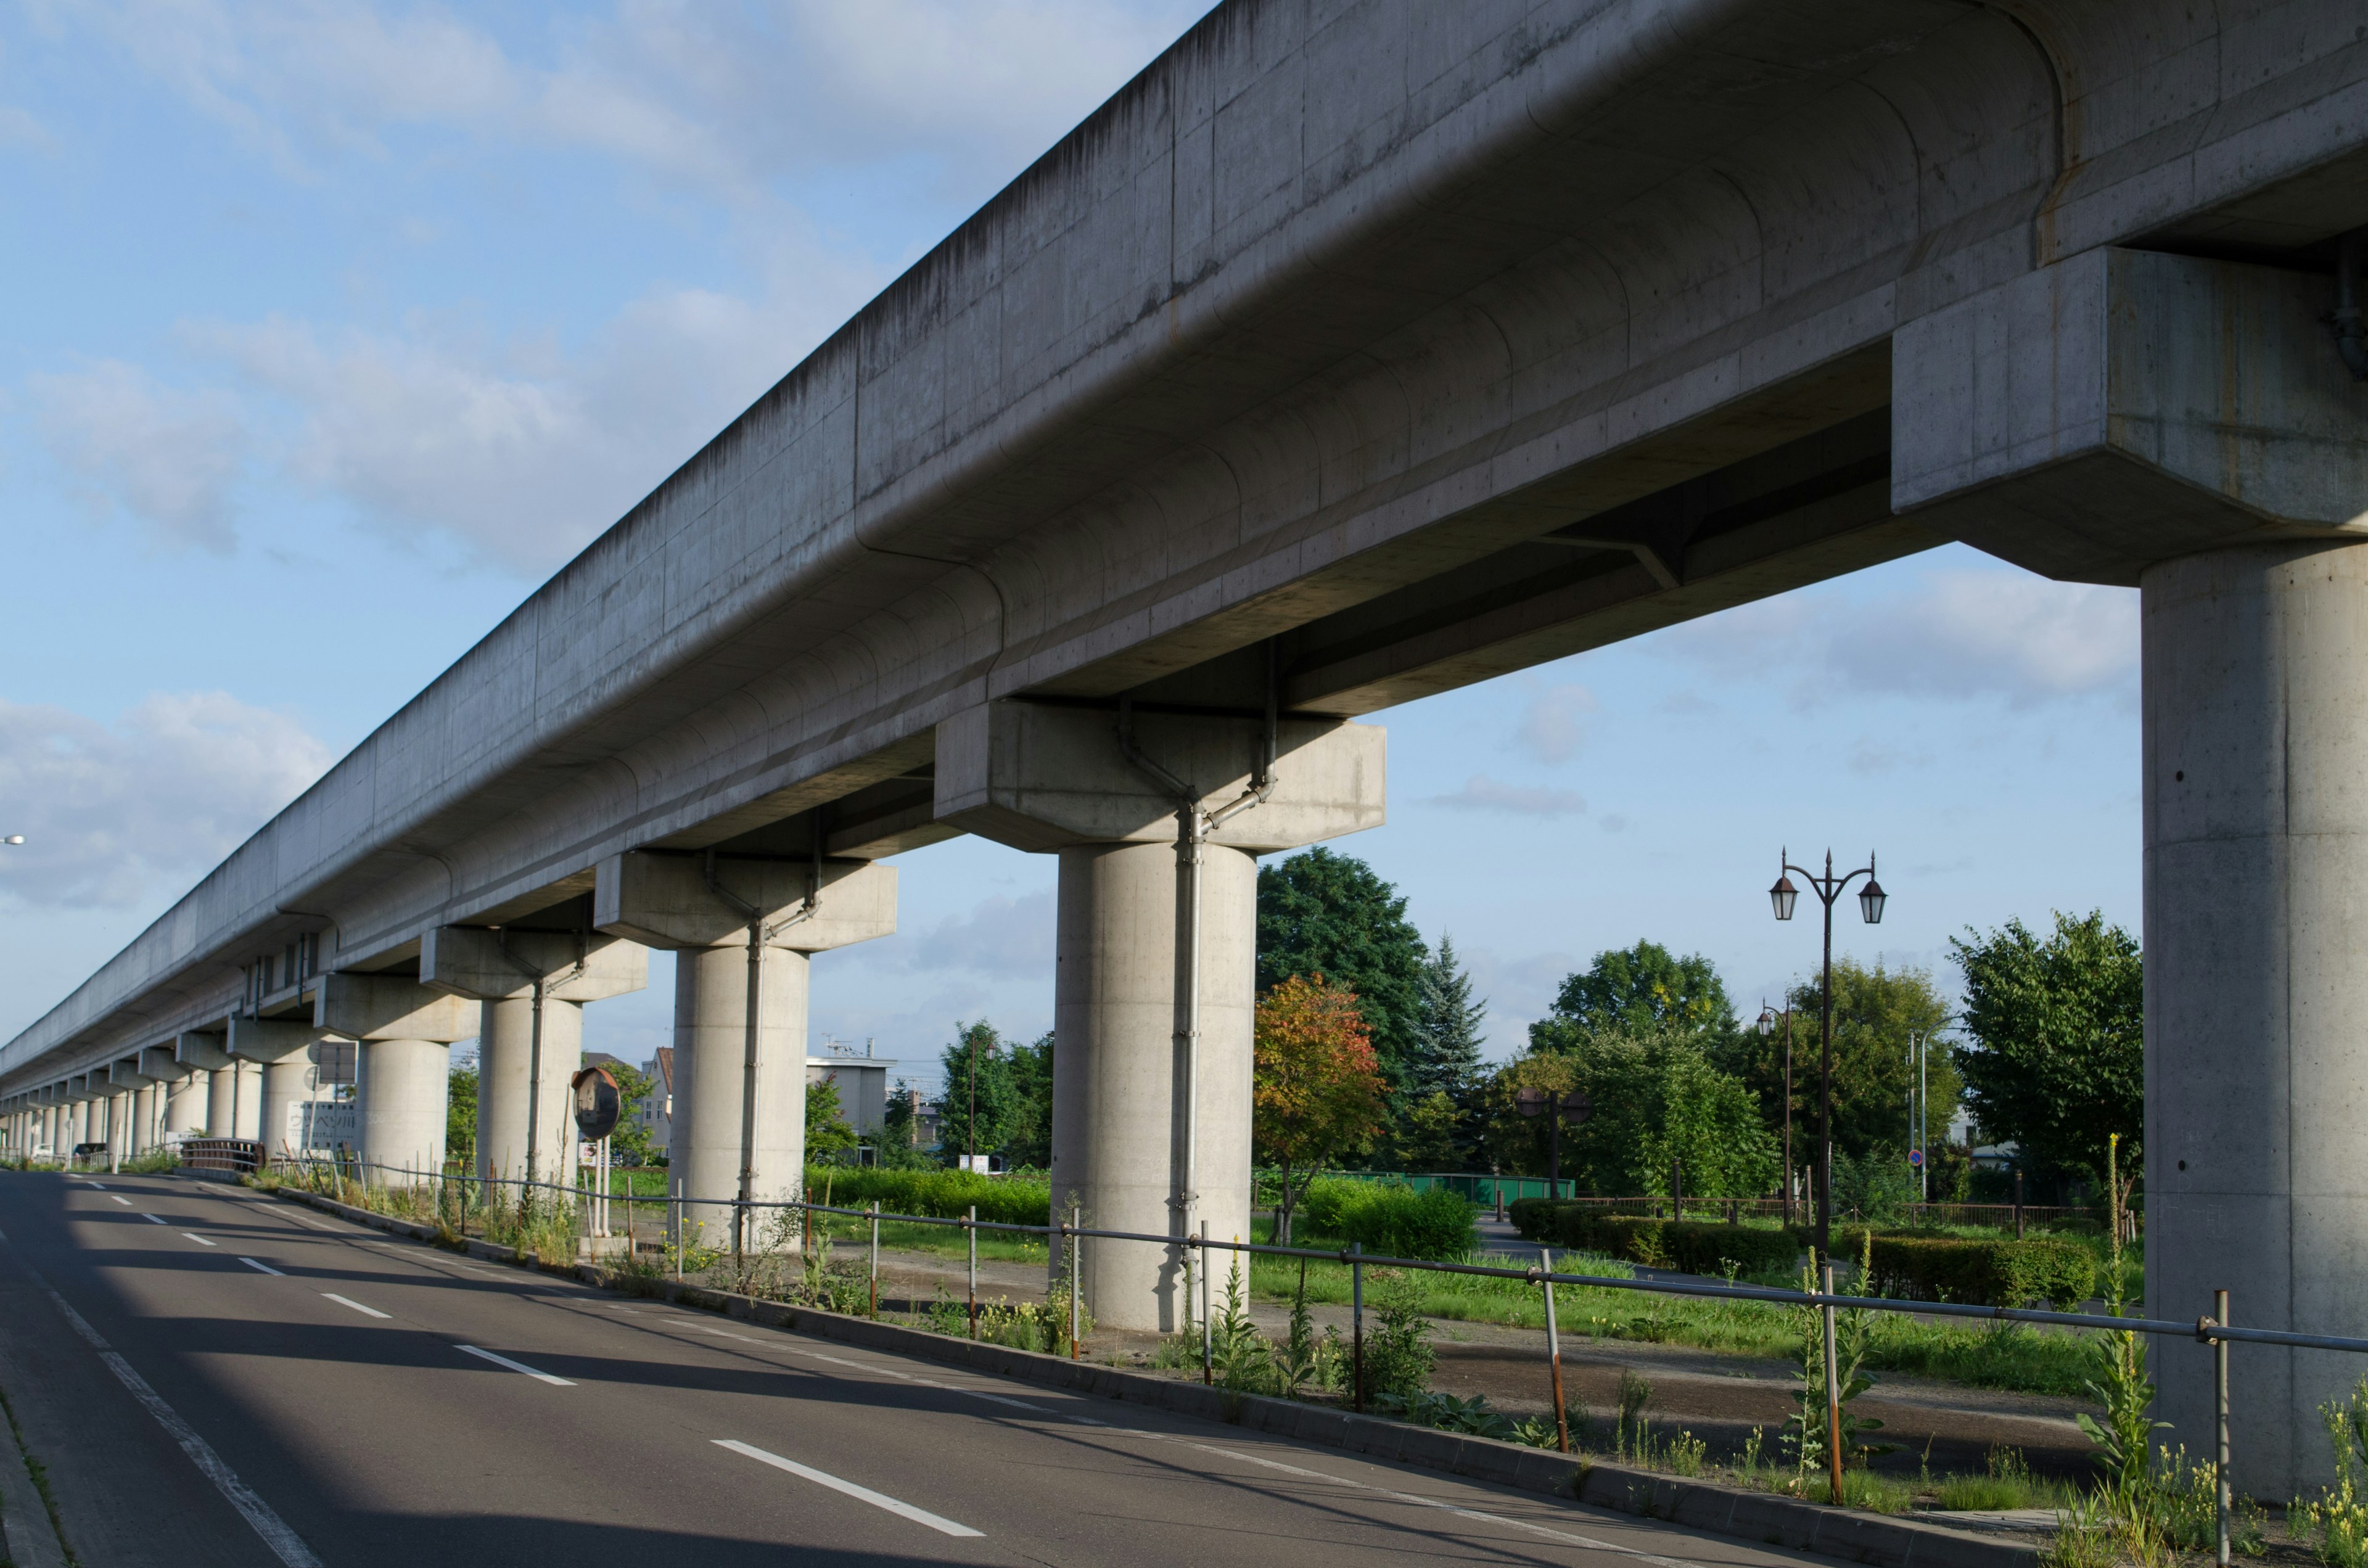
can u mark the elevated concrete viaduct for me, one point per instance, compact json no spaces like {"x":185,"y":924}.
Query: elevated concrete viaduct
{"x":1355,"y":352}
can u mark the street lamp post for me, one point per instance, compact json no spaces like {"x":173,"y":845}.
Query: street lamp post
{"x":1767,"y":1026}
{"x":1572,"y":1108}
{"x":1870,"y":900}
{"x":1920,"y":1112}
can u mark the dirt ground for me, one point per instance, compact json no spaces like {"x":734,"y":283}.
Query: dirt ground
{"x":1716,"y":1397}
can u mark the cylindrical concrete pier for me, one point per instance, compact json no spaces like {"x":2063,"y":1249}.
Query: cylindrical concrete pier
{"x":505,"y":1057}
{"x":1118,"y":1071}
{"x":186,"y":1100}
{"x":286,"y":1083}
{"x":2256,"y":791}
{"x":710,"y":1056}
{"x":404,"y":1085}
{"x":146,"y":1114}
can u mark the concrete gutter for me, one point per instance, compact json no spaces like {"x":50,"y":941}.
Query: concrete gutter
{"x":1854,"y":1537}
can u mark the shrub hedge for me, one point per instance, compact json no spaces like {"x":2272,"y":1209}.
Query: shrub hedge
{"x":1983,"y":1273}
{"x":1389,"y":1218}
{"x":1007,"y":1201}
{"x":1696,"y":1246}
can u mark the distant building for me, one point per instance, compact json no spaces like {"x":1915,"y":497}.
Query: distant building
{"x":657,"y":1110}
{"x":862,"y":1083}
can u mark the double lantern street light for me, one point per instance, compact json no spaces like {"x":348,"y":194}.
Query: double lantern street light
{"x":1870,"y":899}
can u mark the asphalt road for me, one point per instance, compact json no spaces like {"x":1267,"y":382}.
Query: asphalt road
{"x":214,"y":1377}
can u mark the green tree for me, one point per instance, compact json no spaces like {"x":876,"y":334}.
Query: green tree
{"x":1028,"y":1139}
{"x":1316,"y":1086}
{"x":1875,"y":1011}
{"x":1656,"y":1095}
{"x":978,"y":1071}
{"x":1449,"y":1059}
{"x":460,"y":1114}
{"x":1641,"y":987}
{"x":827,"y":1132}
{"x":2056,"y":1062}
{"x":631,"y":1138}
{"x":900,"y":1133}
{"x":1324,"y":914}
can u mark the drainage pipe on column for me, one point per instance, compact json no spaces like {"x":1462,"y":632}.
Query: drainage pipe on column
{"x":759,"y":936}
{"x":542,"y":983}
{"x":1192,"y":827}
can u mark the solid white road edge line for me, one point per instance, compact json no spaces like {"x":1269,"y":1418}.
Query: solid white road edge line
{"x":196,"y":1238}
{"x":516,"y":1366}
{"x":285,"y":1543}
{"x":261,"y":1268}
{"x":347,"y":1301}
{"x":860,"y":1494}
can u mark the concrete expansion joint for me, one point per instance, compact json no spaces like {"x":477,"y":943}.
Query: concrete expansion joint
{"x":1765,"y":1517}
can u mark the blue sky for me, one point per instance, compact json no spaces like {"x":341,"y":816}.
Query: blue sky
{"x":332,"y":329}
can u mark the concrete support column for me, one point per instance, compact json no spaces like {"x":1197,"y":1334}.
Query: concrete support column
{"x":278,"y":1048}
{"x":180,"y":1089}
{"x":740,"y":1028}
{"x":1061,"y":780}
{"x":526,"y":1127}
{"x":713,"y":1071}
{"x":2185,"y":425}
{"x":532,"y":986}
{"x":403,"y":1031}
{"x":185,"y":1103}
{"x":145,"y":1112}
{"x":2256,"y":789}
{"x":119,"y":1123}
{"x":405,"y":1098}
{"x":1118,"y":1127}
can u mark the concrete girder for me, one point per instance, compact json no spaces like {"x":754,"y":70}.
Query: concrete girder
{"x":668,"y":901}
{"x":2124,"y":408}
{"x":488,"y":966}
{"x":1041,"y":777}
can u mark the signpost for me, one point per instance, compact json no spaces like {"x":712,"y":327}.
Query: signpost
{"x":598,"y":1105}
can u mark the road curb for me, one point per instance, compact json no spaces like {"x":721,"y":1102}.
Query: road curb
{"x":1880,"y":1539}
{"x":25,"y":1527}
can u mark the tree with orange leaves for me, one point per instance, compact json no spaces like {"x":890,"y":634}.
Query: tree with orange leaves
{"x":1317,"y":1089}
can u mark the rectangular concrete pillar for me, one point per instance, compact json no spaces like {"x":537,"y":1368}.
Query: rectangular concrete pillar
{"x":1151,"y":1134}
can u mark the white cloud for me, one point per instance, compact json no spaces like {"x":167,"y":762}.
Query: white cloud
{"x":999,"y":936}
{"x":517,"y":450}
{"x":168,"y":457}
{"x":729,"y":98}
{"x":19,"y":128}
{"x":1482,"y":793}
{"x":111,"y":812}
{"x":1551,"y":728}
{"x":1962,"y":633}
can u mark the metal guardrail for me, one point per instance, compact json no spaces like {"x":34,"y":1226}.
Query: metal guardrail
{"x":2215,"y":1331}
{"x":235,"y":1156}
